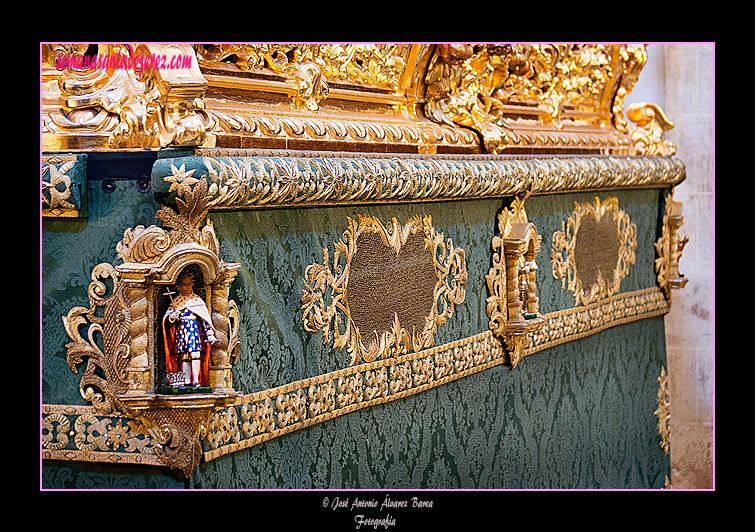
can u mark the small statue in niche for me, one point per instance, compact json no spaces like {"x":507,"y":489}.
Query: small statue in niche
{"x":189,"y":336}
{"x":524,"y":288}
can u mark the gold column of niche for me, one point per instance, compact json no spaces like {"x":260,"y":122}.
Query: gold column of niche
{"x":123,"y":376}
{"x":391,"y":98}
{"x":512,"y":306}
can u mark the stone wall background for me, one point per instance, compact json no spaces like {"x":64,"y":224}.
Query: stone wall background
{"x":680,"y":78}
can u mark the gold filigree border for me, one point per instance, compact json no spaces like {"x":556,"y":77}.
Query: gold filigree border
{"x":268,"y":414}
{"x":57,"y":192}
{"x":563,"y":259}
{"x":325,"y":294}
{"x":664,"y":412}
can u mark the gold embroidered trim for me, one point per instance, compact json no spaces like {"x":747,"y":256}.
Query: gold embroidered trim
{"x":585,"y":274}
{"x":57,"y":194}
{"x":267,"y":414}
{"x":326,"y":301}
{"x":572,"y":324}
{"x":299,"y":405}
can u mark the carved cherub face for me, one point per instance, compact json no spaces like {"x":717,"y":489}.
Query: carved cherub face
{"x":185,"y":285}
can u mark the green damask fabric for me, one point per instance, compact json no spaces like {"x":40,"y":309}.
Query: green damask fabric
{"x":578,"y":415}
{"x":558,"y":420}
{"x":274,"y":248}
{"x":71,"y":249}
{"x":548,"y":212}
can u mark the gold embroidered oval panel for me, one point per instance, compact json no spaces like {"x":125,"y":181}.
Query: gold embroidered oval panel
{"x":380,"y":296}
{"x":594,"y":250}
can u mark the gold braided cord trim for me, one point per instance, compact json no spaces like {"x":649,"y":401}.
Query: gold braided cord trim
{"x":572,"y":324}
{"x":271,"y":413}
{"x":474,"y":354}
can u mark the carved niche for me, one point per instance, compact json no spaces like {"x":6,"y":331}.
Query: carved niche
{"x":513,"y":307}
{"x":122,"y":340}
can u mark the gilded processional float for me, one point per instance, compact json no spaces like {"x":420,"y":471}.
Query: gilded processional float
{"x":354,"y":266}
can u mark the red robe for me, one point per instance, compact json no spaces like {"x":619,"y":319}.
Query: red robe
{"x":173,"y":358}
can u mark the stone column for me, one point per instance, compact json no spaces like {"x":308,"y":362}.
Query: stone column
{"x":689,"y":71}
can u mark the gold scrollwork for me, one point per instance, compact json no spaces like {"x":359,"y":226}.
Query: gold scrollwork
{"x":648,"y":134}
{"x":374,"y":253}
{"x":491,"y":88}
{"x":664,"y":412}
{"x":123,"y":375}
{"x":56,"y":187}
{"x":512,"y":306}
{"x":669,"y":249}
{"x":310,"y":67}
{"x":605,"y":228}
{"x":132,"y":107}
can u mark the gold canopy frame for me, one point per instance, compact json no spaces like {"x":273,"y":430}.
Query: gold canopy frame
{"x":380,"y":98}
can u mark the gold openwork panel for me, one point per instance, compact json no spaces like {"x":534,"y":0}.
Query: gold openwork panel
{"x":389,"y":292}
{"x":594,"y":250}
{"x":385,"y":286}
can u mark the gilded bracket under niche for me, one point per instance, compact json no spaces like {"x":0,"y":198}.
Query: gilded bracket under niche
{"x":512,"y":306}
{"x":132,"y":366}
{"x":594,"y":250}
{"x":390,"y":287}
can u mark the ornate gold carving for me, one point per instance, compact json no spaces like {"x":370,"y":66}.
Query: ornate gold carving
{"x":651,"y":124}
{"x":669,"y":248}
{"x":122,"y":376}
{"x":512,"y":305}
{"x":569,"y":264}
{"x":243,"y":179}
{"x":326,"y":301}
{"x":116,"y":107}
{"x":493,"y":88}
{"x":664,"y":412}
{"x":247,"y":129}
{"x":309,"y":67}
{"x":356,"y":97}
{"x":261,"y":416}
{"x":56,"y":187}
